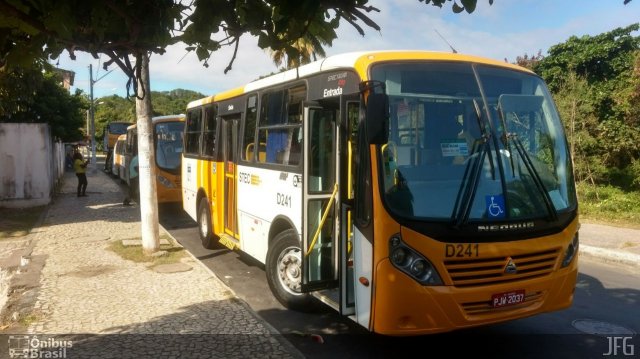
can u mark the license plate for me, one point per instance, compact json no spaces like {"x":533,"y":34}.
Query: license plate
{"x":507,"y":298}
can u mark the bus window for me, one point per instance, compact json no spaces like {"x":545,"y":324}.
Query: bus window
{"x":169,"y":144}
{"x":209,"y":133}
{"x":192,"y":132}
{"x":280,"y":131}
{"x":321,"y":173}
{"x":250,"y":129}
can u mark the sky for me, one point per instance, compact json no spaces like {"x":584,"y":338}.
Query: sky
{"x":504,"y":30}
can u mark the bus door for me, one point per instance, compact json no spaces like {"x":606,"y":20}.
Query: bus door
{"x":320,"y":196}
{"x":229,"y":136}
{"x":349,"y":115}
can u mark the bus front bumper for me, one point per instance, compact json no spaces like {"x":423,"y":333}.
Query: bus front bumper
{"x":404,"y":307}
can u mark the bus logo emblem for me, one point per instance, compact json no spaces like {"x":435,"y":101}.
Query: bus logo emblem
{"x":510,"y":268}
{"x":297,"y":180}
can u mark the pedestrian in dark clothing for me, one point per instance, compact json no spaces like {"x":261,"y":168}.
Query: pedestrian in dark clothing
{"x":80,"y":167}
{"x":134,"y":187}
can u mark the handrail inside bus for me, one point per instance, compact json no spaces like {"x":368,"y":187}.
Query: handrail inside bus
{"x":324,"y":218}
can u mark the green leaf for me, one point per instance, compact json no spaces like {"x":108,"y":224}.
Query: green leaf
{"x":469,"y":5}
{"x":202,"y":53}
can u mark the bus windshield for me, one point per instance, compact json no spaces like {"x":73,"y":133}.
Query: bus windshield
{"x":168,"y":142}
{"x":472,"y":143}
{"x":117,"y":128}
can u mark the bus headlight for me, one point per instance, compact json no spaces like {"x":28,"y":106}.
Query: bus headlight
{"x":165,"y":182}
{"x":399,"y":256}
{"x":571,"y":251}
{"x":412,"y":263}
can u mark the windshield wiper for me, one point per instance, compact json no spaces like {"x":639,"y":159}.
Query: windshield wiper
{"x":553,"y":214}
{"x":469,"y":185}
{"x":551,"y":209}
{"x":505,"y":140}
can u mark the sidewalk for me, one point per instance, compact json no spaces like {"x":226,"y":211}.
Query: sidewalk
{"x":610,"y":244}
{"x":85,"y":288}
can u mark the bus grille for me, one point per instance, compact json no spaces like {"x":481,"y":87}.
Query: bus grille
{"x":489,"y":271}
{"x":475,"y":308}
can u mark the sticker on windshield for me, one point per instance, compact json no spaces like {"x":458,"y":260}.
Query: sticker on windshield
{"x":495,"y":206}
{"x":453,"y":148}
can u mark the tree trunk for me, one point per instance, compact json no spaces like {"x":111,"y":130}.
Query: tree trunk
{"x":146,"y":160}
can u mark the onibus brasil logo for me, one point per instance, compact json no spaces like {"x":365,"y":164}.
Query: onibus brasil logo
{"x":31,"y":346}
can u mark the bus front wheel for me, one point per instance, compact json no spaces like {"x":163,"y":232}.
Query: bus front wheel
{"x":204,"y":225}
{"x":284,"y":271}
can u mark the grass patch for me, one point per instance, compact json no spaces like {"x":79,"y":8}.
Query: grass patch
{"x":28,"y":319}
{"x":135,"y":254}
{"x":18,"y":222}
{"x":609,"y":205}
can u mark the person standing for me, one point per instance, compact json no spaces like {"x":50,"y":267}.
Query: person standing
{"x":80,"y":166}
{"x":134,"y":187}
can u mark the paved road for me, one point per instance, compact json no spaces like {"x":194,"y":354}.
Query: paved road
{"x":606,"y":298}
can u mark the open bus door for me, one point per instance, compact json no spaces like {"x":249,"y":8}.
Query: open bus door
{"x":320,"y":196}
{"x":327,"y":247}
{"x":349,"y":107}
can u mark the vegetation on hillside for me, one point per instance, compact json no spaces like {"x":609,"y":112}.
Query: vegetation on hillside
{"x":595,"y":81}
{"x":119,"y":109}
{"x":596,"y":84}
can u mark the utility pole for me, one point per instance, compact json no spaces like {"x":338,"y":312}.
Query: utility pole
{"x":92,"y":123}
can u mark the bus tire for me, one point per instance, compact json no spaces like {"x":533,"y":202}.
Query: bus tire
{"x":204,"y":224}
{"x":284,"y":271}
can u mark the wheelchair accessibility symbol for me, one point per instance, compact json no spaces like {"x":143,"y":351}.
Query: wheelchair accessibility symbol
{"x":495,"y":206}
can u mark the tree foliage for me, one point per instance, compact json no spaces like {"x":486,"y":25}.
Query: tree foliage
{"x":309,"y":50}
{"x":124,"y":28}
{"x":33,"y":96}
{"x":596,"y":83}
{"x":529,"y":61}
{"x":457,"y":7}
{"x":172,"y":102}
{"x":119,"y":109}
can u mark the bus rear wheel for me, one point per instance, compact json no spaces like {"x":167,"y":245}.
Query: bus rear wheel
{"x":204,"y":225}
{"x":284,"y":271}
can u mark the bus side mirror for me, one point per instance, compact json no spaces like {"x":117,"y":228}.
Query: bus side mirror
{"x":377,"y":121}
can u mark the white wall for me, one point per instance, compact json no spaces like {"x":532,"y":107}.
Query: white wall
{"x":30,"y":164}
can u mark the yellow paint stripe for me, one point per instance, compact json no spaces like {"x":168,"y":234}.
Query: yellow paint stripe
{"x":364,"y":62}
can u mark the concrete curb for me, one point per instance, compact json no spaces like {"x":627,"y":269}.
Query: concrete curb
{"x":290,"y":348}
{"x":609,"y":255}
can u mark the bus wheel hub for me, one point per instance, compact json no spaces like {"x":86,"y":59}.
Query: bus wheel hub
{"x":290,"y":269}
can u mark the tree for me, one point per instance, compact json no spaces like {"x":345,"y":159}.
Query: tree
{"x":31,"y":96}
{"x":529,"y":61}
{"x":118,"y":109}
{"x":129,"y":30}
{"x":596,"y":85}
{"x":172,"y":102}
{"x":309,"y":51}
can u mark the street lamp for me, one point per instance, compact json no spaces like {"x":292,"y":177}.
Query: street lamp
{"x":92,"y":114}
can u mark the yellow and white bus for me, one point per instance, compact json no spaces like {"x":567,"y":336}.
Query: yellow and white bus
{"x":117,"y":167}
{"x":415,"y":192}
{"x":167,"y":146}
{"x":111,"y":133}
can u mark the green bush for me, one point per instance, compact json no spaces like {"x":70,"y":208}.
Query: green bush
{"x":609,"y":204}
